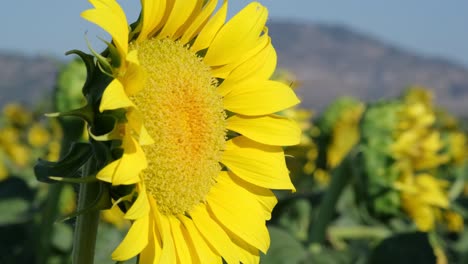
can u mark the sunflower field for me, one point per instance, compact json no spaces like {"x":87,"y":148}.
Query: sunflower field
{"x":183,"y":142}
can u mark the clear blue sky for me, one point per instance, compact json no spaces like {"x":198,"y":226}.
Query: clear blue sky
{"x":430,"y":27}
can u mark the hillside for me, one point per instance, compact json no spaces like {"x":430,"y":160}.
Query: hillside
{"x":26,"y":79}
{"x":328,"y":61}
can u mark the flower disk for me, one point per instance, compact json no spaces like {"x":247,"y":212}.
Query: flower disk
{"x":184,"y":115}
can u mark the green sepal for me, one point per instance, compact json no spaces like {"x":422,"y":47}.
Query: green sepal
{"x":102,"y":153}
{"x":104,"y":125}
{"x":90,"y":67}
{"x":121,"y":193}
{"x":114,"y":55}
{"x":68,"y":166}
{"x":103,"y":62}
{"x":102,"y":202}
{"x":86,"y":113}
{"x":119,"y":114}
{"x":86,"y":179}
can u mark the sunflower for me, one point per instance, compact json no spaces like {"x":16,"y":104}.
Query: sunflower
{"x":423,"y":196}
{"x":201,"y":142}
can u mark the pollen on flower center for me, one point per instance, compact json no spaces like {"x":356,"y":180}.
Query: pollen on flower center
{"x":185,"y":117}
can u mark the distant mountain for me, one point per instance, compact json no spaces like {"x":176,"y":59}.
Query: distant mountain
{"x":26,"y":79}
{"x":329,"y":61}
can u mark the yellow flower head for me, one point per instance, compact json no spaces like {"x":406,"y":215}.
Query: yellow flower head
{"x":201,"y":141}
{"x":417,"y":142}
{"x":457,"y":147}
{"x":3,"y":171}
{"x":19,"y":154}
{"x":17,"y":114}
{"x":454,"y":221}
{"x":419,"y":94}
{"x":38,"y":136}
{"x":53,"y":150}
{"x":8,"y":136}
{"x":345,"y":134}
{"x":422,"y":198}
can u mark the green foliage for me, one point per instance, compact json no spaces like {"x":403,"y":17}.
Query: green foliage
{"x":284,"y":248}
{"x":367,"y":219}
{"x":333,"y":112}
{"x":70,"y":80}
{"x":377,"y":134}
{"x":407,"y":248}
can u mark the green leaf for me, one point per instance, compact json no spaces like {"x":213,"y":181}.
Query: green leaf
{"x":67,"y":167}
{"x":62,"y":237}
{"x":297,"y":219}
{"x":283,"y":249}
{"x":408,"y":248}
{"x":16,"y":243}
{"x":14,"y":210}
{"x":15,"y":201}
{"x":14,"y":187}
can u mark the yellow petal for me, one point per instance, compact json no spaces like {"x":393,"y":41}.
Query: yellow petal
{"x":260,"y":66}
{"x":200,"y":247}
{"x":125,"y":170}
{"x":114,"y":97}
{"x":152,"y":252}
{"x":190,"y":21}
{"x":152,"y":14}
{"x":182,"y":249}
{"x":135,"y":121}
{"x":247,"y":253}
{"x":242,"y":215}
{"x":209,"y":31}
{"x":258,"y":97}
{"x":108,"y":15}
{"x":132,"y":57}
{"x":265,"y":197}
{"x":262,"y":43}
{"x":134,"y":242}
{"x":194,"y":27}
{"x":237,"y":36}
{"x":271,"y":130}
{"x":168,"y":253}
{"x":260,"y":164}
{"x":213,"y":233}
{"x":180,"y":13}
{"x":140,"y":207}
{"x":134,"y":79}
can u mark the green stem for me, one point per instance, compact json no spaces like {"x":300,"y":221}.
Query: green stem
{"x":84,"y":239}
{"x":339,"y":179}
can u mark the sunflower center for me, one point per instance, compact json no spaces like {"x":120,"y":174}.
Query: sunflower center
{"x":185,"y":117}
